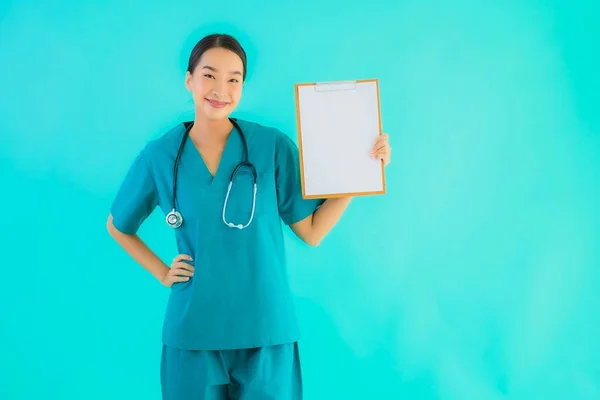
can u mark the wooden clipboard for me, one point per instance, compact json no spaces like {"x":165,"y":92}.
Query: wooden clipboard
{"x":345,"y":118}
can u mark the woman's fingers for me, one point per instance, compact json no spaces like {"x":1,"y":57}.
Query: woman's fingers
{"x":380,"y":148}
{"x":179,"y":269}
{"x":383,"y":152}
{"x":381,"y":139}
{"x":183,"y":265}
{"x":182,"y":257}
{"x":380,"y":143}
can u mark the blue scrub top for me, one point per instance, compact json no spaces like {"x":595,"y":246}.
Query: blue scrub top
{"x":239,"y":296}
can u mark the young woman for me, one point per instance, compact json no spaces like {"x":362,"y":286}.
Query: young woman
{"x":225,"y":185}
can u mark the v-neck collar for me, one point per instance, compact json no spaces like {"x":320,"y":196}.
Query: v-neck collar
{"x":227,"y":161}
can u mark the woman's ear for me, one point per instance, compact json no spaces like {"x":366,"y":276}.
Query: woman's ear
{"x":188,"y":80}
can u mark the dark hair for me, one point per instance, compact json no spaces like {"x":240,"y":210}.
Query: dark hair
{"x":216,"y":40}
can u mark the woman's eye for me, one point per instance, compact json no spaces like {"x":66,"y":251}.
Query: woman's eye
{"x":234,"y":80}
{"x":208,"y":75}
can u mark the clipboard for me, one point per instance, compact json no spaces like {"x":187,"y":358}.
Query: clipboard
{"x":337,"y":123}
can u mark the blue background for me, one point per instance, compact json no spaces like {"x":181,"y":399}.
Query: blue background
{"x":476,"y":277}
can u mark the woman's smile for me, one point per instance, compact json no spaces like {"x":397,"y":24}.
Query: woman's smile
{"x":216,"y":103}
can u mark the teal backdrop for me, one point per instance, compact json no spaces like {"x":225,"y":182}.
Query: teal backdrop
{"x":475,"y":278}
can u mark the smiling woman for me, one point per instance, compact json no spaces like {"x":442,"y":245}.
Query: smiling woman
{"x":215,"y":75}
{"x":230,"y":329}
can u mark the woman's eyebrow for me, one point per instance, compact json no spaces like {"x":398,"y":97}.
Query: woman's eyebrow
{"x":215,"y":70}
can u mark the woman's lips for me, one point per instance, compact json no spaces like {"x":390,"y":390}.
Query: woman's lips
{"x":216,"y":103}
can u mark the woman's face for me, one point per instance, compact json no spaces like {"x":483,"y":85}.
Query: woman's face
{"x":216,"y":83}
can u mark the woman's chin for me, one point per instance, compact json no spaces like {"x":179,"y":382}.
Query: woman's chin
{"x":216,"y":113}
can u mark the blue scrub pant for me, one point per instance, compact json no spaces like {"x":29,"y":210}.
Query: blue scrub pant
{"x":263,"y":373}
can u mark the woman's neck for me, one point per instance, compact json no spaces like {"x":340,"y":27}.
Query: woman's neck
{"x":210,"y":133}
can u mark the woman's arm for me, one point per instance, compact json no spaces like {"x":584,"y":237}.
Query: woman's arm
{"x":179,"y":271}
{"x":316,"y":226}
{"x":138,"y":250}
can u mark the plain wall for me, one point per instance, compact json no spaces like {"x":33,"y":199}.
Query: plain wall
{"x":476,"y":277}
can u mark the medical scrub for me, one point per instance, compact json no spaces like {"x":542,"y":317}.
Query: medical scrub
{"x":232,"y":327}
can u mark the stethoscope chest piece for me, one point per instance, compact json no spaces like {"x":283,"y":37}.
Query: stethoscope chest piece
{"x":174,"y":219}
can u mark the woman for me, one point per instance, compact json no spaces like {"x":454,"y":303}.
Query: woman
{"x":230,"y":330}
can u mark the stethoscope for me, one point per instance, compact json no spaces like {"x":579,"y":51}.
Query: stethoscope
{"x":175,"y":219}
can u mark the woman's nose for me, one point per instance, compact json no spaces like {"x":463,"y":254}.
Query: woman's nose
{"x":218,"y":89}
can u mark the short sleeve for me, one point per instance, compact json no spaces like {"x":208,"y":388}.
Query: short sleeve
{"x":136,"y":198}
{"x":292,"y":207}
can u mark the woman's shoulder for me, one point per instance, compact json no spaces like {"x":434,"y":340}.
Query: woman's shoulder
{"x":166,"y":143}
{"x":261,"y":131}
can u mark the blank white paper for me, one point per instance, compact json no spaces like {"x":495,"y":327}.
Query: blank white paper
{"x":338,"y":125}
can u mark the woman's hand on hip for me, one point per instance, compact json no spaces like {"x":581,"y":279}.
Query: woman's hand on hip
{"x":179,"y":271}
